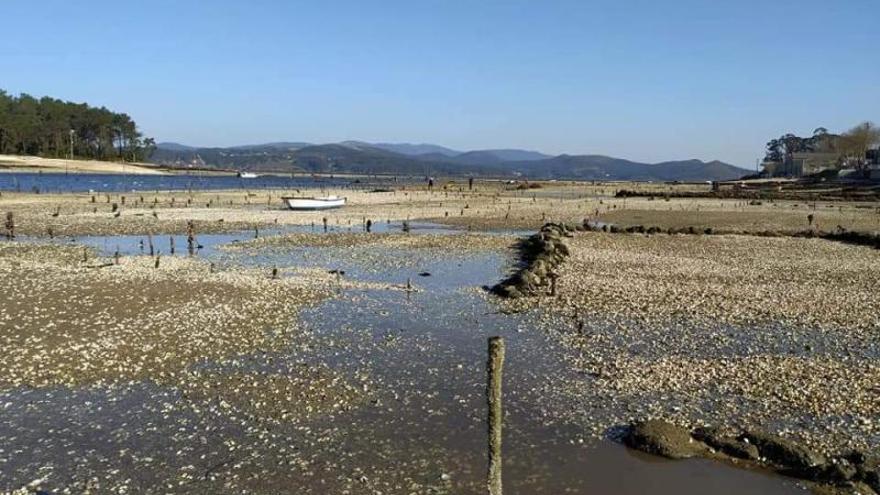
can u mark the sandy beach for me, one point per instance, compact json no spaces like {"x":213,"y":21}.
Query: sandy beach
{"x":15,"y":163}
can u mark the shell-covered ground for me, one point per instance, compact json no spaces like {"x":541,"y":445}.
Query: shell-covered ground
{"x":70,"y":318}
{"x":359,"y":367}
{"x":126,"y":364}
{"x":489,"y":205}
{"x":774,"y":333}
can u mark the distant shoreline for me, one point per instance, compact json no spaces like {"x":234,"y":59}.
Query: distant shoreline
{"x":19,"y":164}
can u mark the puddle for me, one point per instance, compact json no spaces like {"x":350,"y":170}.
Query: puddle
{"x":134,"y":245}
{"x":427,"y":353}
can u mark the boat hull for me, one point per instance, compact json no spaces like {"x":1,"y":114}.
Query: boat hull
{"x":314,"y":203}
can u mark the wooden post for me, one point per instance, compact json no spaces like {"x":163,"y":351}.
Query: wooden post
{"x":494,"y":366}
{"x":10,"y":225}
{"x":190,"y":237}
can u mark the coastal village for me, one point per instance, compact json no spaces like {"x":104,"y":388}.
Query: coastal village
{"x":855,"y":155}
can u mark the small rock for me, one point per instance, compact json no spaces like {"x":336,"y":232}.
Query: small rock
{"x":726,"y":444}
{"x":785,"y":453}
{"x":664,"y":439}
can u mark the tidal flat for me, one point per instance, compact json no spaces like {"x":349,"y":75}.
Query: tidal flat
{"x":286,"y":355}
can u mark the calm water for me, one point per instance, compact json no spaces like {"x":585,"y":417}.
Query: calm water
{"x":55,"y":182}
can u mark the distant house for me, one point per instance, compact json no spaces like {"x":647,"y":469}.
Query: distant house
{"x":873,"y":160}
{"x":873,"y":156}
{"x":809,"y":163}
{"x":802,"y":164}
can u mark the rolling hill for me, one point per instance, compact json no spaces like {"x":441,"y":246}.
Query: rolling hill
{"x":415,"y":149}
{"x":598,"y":167}
{"x":358,"y":157}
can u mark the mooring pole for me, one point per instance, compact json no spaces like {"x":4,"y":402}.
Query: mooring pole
{"x":494,"y":366}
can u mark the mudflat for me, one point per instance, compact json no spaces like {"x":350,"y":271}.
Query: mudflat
{"x":310,"y":351}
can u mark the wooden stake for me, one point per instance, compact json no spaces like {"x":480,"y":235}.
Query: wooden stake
{"x":494,"y":367}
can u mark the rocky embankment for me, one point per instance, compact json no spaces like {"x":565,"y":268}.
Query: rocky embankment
{"x":805,"y":192}
{"x":541,"y":255}
{"x":840,"y":234}
{"x":853,"y":472}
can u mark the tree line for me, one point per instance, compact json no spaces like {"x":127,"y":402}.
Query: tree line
{"x":851,"y":147}
{"x":53,"y":128}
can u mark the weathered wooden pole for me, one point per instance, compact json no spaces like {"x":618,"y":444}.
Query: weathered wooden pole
{"x":190,"y":237}
{"x":494,"y":366}
{"x":10,"y":225}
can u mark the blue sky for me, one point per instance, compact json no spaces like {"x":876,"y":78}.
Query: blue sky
{"x":645,"y":80}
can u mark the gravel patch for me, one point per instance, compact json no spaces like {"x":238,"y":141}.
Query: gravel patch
{"x":781,"y":334}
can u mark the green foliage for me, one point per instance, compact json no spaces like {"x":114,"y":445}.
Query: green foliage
{"x":53,"y":128}
{"x":787,"y":144}
{"x":853,"y":146}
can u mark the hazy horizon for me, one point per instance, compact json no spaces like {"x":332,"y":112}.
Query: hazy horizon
{"x":635,"y":80}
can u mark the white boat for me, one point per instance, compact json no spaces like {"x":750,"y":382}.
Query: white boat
{"x":318,"y":203}
{"x":247,"y":175}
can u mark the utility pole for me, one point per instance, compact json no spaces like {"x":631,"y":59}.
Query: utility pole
{"x":67,"y":167}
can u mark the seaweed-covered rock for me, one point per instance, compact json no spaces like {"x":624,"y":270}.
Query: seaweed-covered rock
{"x":726,"y":444}
{"x":846,"y":474}
{"x":848,"y":488}
{"x":867,"y":469}
{"x":784,"y":453}
{"x":507,"y":290}
{"x":836,"y":471}
{"x":541,"y":254}
{"x":871,"y":478}
{"x":664,"y":439}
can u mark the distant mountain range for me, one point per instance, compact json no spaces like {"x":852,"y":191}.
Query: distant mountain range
{"x":428,"y":159}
